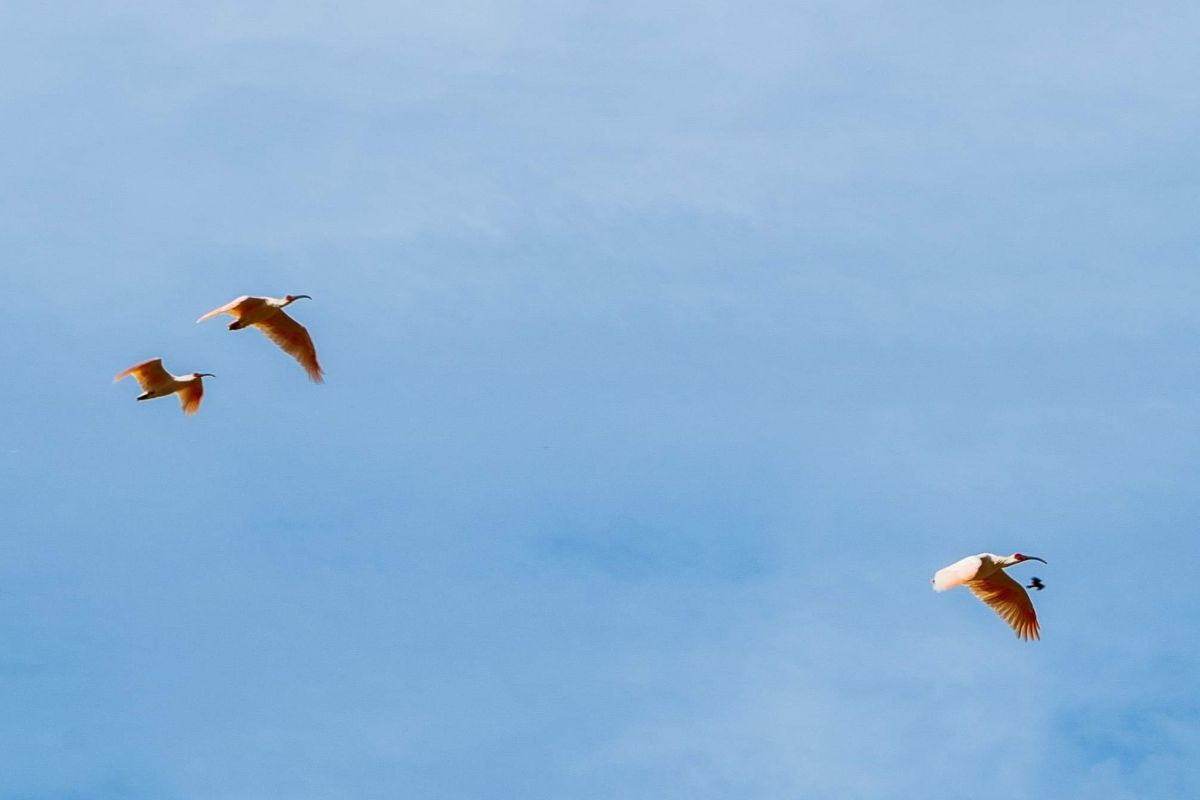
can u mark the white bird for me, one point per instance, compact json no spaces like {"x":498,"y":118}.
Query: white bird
{"x":157,"y":382}
{"x":266,"y":314}
{"x":984,"y":575}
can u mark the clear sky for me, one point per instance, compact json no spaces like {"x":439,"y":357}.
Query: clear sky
{"x":670,"y":348}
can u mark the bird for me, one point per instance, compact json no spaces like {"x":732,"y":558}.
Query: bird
{"x":267,"y":314}
{"x":1036,"y":584}
{"x":157,"y":382}
{"x":984,"y":575}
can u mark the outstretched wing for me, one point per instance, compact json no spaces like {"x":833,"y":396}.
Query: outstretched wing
{"x":295,"y":341}
{"x":189,"y":396}
{"x":229,"y":308}
{"x":956,"y":574}
{"x":149,"y":374}
{"x":1008,"y":599}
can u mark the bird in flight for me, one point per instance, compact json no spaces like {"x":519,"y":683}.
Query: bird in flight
{"x":984,"y":575}
{"x":1036,"y":583}
{"x":157,"y":382}
{"x":267,"y":314}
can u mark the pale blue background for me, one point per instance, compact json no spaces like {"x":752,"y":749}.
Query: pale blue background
{"x":671,"y":347}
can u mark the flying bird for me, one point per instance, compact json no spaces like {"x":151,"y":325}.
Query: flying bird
{"x":157,"y":382}
{"x":267,"y":314}
{"x":1036,"y":584}
{"x":984,"y":575}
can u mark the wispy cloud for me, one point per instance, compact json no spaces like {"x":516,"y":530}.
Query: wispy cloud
{"x":670,"y":349}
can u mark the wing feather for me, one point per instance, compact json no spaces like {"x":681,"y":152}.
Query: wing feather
{"x":229,"y":308}
{"x":1010,"y":600}
{"x":293,"y":338}
{"x":189,"y":396}
{"x":149,"y":374}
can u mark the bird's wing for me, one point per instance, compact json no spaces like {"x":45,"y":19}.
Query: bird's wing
{"x":189,"y":396}
{"x":295,"y":341}
{"x":956,"y":574}
{"x":229,"y":308}
{"x":148,"y":374}
{"x":1008,"y":599}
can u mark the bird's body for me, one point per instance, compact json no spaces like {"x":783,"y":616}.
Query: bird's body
{"x":267,"y":314}
{"x":1036,"y":583}
{"x":984,"y":575}
{"x":157,"y":382}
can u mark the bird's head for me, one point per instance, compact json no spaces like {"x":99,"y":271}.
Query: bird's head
{"x":1017,"y":558}
{"x":291,"y":298}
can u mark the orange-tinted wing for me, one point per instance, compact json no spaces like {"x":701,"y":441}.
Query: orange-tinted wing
{"x":189,"y":396}
{"x":229,"y":308}
{"x":295,"y":341}
{"x":1008,"y":599}
{"x":149,"y":374}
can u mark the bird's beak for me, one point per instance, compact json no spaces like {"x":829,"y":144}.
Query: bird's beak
{"x":206,"y":375}
{"x":298,"y":296}
{"x":1035,"y":558}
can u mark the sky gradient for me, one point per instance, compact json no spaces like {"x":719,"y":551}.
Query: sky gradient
{"x":669,"y":352}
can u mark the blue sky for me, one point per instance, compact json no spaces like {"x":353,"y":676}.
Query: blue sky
{"x":669,"y":350}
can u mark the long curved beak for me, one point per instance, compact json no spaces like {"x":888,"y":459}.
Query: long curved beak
{"x":298,"y":296}
{"x":1035,"y":558}
{"x":206,"y":375}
